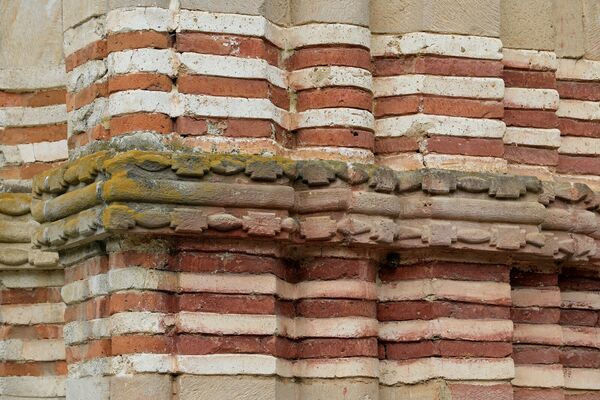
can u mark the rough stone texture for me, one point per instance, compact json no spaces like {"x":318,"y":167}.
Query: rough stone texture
{"x":591,"y":23}
{"x":276,"y":11}
{"x":141,"y":387}
{"x":467,"y":17}
{"x":355,"y":12}
{"x":569,"y":25}
{"x":528,"y":24}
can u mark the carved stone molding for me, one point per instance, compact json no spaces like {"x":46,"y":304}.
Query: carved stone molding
{"x":321,"y":202}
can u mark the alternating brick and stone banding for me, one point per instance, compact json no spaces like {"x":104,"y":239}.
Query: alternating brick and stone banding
{"x":532,"y":136}
{"x":307,"y":199}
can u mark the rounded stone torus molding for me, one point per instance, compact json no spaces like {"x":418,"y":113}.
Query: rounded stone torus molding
{"x":313,"y":203}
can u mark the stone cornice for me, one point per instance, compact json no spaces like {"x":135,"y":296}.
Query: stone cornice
{"x":321,"y":202}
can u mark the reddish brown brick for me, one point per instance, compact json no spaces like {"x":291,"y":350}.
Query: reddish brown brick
{"x":334,"y":97}
{"x":328,"y":268}
{"x":141,"y":81}
{"x":86,"y":95}
{"x":589,"y":91}
{"x":319,"y":56}
{"x":451,"y":66}
{"x":228,"y":45}
{"x":536,"y":315}
{"x":530,"y":155}
{"x":230,"y":127}
{"x":574,"y":127}
{"x":533,"y":279}
{"x":94,"y":51}
{"x":159,"y":123}
{"x":531,"y":118}
{"x":427,"y":310}
{"x":33,"y":134}
{"x":33,"y":99}
{"x":465,"y":146}
{"x":578,"y":165}
{"x":30,"y":296}
{"x":329,"y":308}
{"x":529,"y":79}
{"x":578,"y":317}
{"x":386,"y":145}
{"x":346,"y":137}
{"x":138,"y":40}
{"x":228,"y":304}
{"x":447,"y":270}
{"x":141,"y":344}
{"x":533,"y":354}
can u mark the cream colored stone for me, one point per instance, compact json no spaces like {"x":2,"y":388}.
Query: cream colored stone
{"x":531,"y":297}
{"x":451,"y":86}
{"x":86,"y":74}
{"x":541,"y":376}
{"x":581,"y":300}
{"x":579,"y":109}
{"x":432,"y":390}
{"x":579,"y":145}
{"x":30,"y":314}
{"x":143,"y":60}
{"x":322,"y":34}
{"x":82,"y":35}
{"x":27,"y":116}
{"x":28,"y":387}
{"x":568,"y":25}
{"x":402,"y":162}
{"x":140,"y":19}
{"x":591,"y":23}
{"x":544,"y":99}
{"x":437,"y":44}
{"x":75,"y":12}
{"x":480,"y":292}
{"x":490,"y":165}
{"x":235,"y":67}
{"x":583,"y":336}
{"x":533,"y":137}
{"x":132,"y":101}
{"x":92,"y":388}
{"x":354,"y":12}
{"x":31,"y":279}
{"x":191,"y":387}
{"x":466,"y":17}
{"x":350,"y":117}
{"x":422,"y":369}
{"x":549,"y":334}
{"x":582,"y":378}
{"x":529,"y":59}
{"x":113,"y":4}
{"x":50,"y":151}
{"x":446,"y":328}
{"x":32,"y":350}
{"x":336,"y":389}
{"x":425,"y":124}
{"x":316,"y":77}
{"x":527,"y":24}
{"x":276,"y":11}
{"x":585,"y":70}
{"x":140,"y":387}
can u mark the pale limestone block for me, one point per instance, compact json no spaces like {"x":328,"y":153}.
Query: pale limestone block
{"x":539,"y":376}
{"x":140,"y":19}
{"x":585,"y":70}
{"x":451,"y":86}
{"x":35,"y":25}
{"x":527,"y":24}
{"x":334,"y":368}
{"x":325,"y":34}
{"x":27,"y":152}
{"x":33,"y":78}
{"x":354,"y":12}
{"x":420,"y":289}
{"x":579,"y":145}
{"x":423,"y":369}
{"x":548,"y":334}
{"x":568,"y":23}
{"x":77,"y":11}
{"x":193,"y":387}
{"x":437,"y":44}
{"x":346,"y":154}
{"x":232,"y":364}
{"x":218,"y":106}
{"x":32,"y":386}
{"x":132,"y":101}
{"x":582,"y":378}
{"x":316,"y":77}
{"x":533,"y":137}
{"x":140,"y":387}
{"x":11,"y":155}
{"x":579,"y":109}
{"x":27,"y":116}
{"x":51,"y":151}
{"x":114,"y":4}
{"x":402,"y":162}
{"x":583,"y":336}
{"x":30,"y":314}
{"x":234,"y":67}
{"x":424,"y":124}
{"x":591,"y":23}
{"x":581,"y":300}
{"x":466,"y":163}
{"x":276,"y":11}
{"x":143,"y":60}
{"x":81,"y":331}
{"x":465,"y":17}
{"x":528,"y":297}
{"x":88,"y":116}
{"x":529,"y":59}
{"x":31,"y":279}
{"x":337,"y":389}
{"x":333,"y":117}
{"x":82,"y":35}
{"x":544,"y":99}
{"x":432,"y":390}
{"x":86,"y":74}
{"x":138,"y":322}
{"x":446,"y":328}
{"x":142,"y":279}
{"x":90,"y":388}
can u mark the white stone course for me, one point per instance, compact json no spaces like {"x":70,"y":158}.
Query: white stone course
{"x":325,"y":76}
{"x":325,"y":34}
{"x":140,"y":19}
{"x":533,"y":137}
{"x":529,"y":59}
{"x":582,"y":378}
{"x":540,"y":376}
{"x":477,"y":47}
{"x":83,"y":35}
{"x":31,"y":314}
{"x":545,"y":99}
{"x":28,"y":116}
{"x":581,"y":70}
{"x":424,"y":124}
{"x":446,"y":328}
{"x":579,"y":109}
{"x":143,"y":60}
{"x":350,"y":117}
{"x":452,"y":86}
{"x":579,"y":146}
